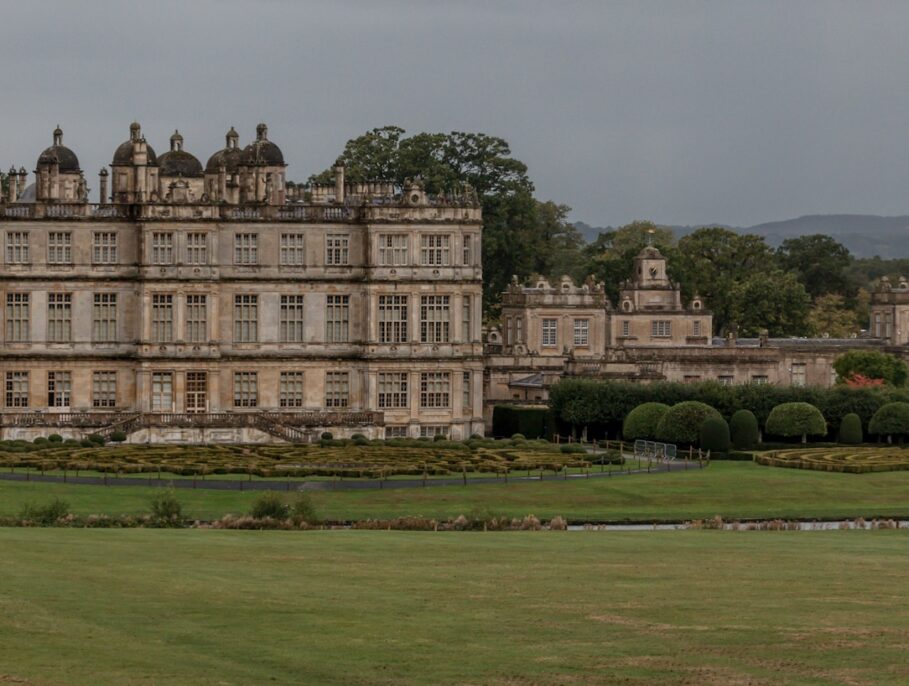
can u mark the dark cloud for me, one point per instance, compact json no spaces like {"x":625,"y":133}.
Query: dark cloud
{"x":683,"y":112}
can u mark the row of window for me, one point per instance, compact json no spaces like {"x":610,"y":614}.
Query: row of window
{"x":797,"y":376}
{"x":394,"y":249}
{"x":393,"y":389}
{"x":393,"y":318}
{"x":514,"y":331}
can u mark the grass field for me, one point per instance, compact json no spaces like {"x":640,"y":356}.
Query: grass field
{"x":730,"y":489}
{"x":97,"y":607}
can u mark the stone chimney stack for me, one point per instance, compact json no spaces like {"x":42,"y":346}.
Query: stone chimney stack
{"x":13,"y":180}
{"x":339,"y":182}
{"x":102,"y":184}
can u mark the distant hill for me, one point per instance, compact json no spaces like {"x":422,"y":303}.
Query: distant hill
{"x":866,"y":235}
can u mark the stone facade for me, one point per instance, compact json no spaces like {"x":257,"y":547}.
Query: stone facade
{"x":653,"y":336}
{"x":195,"y":299}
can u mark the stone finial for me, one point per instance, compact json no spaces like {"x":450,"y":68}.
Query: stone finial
{"x":176,"y":141}
{"x":262,"y":132}
{"x":58,"y":135}
{"x":232,"y":138}
{"x":135,"y":131}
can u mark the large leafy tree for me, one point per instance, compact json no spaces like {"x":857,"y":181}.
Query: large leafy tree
{"x":515,"y":226}
{"x":830,"y":317}
{"x":774,"y":301}
{"x":821,"y":264}
{"x":871,"y":364}
{"x":715,"y":263}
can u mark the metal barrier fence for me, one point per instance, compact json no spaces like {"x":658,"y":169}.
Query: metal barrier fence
{"x":653,"y":450}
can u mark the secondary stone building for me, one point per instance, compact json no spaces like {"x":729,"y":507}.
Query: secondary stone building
{"x":205,"y":303}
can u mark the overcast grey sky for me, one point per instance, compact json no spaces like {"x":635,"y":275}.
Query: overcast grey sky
{"x":680,"y":112}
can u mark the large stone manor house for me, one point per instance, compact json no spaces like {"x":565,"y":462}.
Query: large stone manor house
{"x":200,"y":303}
{"x":206,"y":303}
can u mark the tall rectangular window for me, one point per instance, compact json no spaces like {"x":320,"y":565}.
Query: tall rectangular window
{"x":467,"y":253}
{"x":104,"y":247}
{"x":104,"y":318}
{"x":104,"y":389}
{"x":696,"y":328}
{"x":162,"y":318}
{"x":59,"y":317}
{"x":17,"y":389}
{"x":626,"y":328}
{"x":393,"y":318}
{"x":162,"y":247}
{"x":196,"y":318}
{"x":435,"y":319}
{"x":435,"y":249}
{"x":196,"y":391}
{"x":393,"y":249}
{"x":337,"y":389}
{"x":292,"y":389}
{"x":246,"y":389}
{"x":660,"y":328}
{"x":162,"y":396}
{"x":435,"y":389}
{"x":582,"y":332}
{"x":466,"y":318}
{"x":293,"y":250}
{"x":246,"y":249}
{"x":17,"y":247}
{"x":17,"y":317}
{"x":550,"y":333}
{"x":799,"y":375}
{"x":60,"y":247}
{"x":246,"y":318}
{"x":59,"y":389}
{"x":519,"y":330}
{"x":291,"y":324}
{"x":466,"y":391}
{"x":337,"y":249}
{"x":197,"y":248}
{"x":392,"y":389}
{"x":337,"y":318}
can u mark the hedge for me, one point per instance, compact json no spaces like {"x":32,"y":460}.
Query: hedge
{"x":715,"y":435}
{"x":603,"y":405}
{"x":851,"y":429}
{"x":682,"y":424}
{"x":643,"y":420}
{"x":531,"y":422}
{"x":743,"y":430}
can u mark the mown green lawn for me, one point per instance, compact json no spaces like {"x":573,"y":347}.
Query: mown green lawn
{"x":202,"y":607}
{"x":730,"y":489}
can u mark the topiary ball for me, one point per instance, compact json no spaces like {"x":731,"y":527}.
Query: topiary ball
{"x":682,"y":424}
{"x":642,"y":421}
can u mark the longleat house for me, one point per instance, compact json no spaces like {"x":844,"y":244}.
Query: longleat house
{"x":218,"y":303}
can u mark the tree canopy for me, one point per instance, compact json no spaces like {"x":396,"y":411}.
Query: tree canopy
{"x":871,"y":364}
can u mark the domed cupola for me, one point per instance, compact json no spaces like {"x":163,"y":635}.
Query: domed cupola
{"x":60,"y":155}
{"x":135,"y":169}
{"x":125,"y":153}
{"x":59,"y":177}
{"x":178,"y":162}
{"x":262,"y":152}
{"x":229,"y":157}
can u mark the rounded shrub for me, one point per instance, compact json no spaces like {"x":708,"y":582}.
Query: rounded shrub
{"x":890,"y":420}
{"x":270,"y":505}
{"x":573,"y":448}
{"x":643,"y":420}
{"x":440,"y":437}
{"x":682,"y":423}
{"x":326,"y":436}
{"x":715,"y":435}
{"x":518,"y":437}
{"x":97,"y":439}
{"x":118,"y":437}
{"x":40,"y":440}
{"x":796,"y":419}
{"x":356,"y":436}
{"x":743,"y":430}
{"x":55,"y":438}
{"x":85,"y":443}
{"x":850,"y":429}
